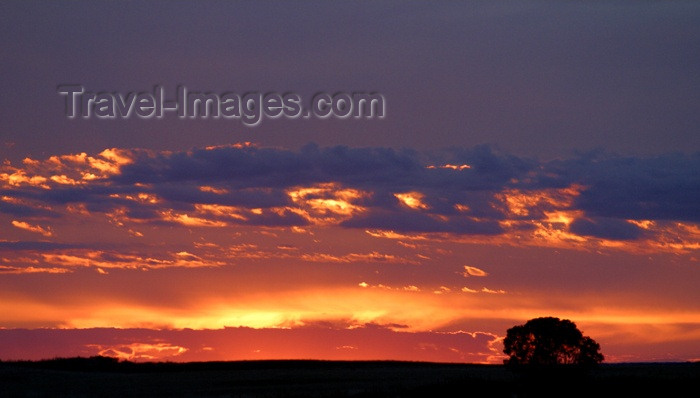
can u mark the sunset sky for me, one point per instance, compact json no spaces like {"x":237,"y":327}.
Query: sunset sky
{"x":535,"y":159}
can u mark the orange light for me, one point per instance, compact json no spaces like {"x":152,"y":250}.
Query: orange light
{"x":412,"y":199}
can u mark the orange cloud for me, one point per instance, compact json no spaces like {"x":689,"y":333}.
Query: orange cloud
{"x":65,"y":180}
{"x":32,"y":270}
{"x":473,"y":271}
{"x":221,"y":211}
{"x":33,"y":228}
{"x":521,"y":203}
{"x":20,"y":177}
{"x":491,"y":291}
{"x":451,"y":166}
{"x":413,"y":200}
{"x":101,"y":260}
{"x":141,"y":351}
{"x":190,"y":221}
{"x":394,"y":235}
{"x":409,"y":288}
{"x":357,"y":257}
{"x":326,"y":204}
{"x":218,"y":191}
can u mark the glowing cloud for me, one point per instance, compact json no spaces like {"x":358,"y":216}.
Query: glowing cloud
{"x":141,"y":351}
{"x":326,"y":203}
{"x":32,"y":228}
{"x":491,"y":291}
{"x":218,"y":191}
{"x":473,"y":271}
{"x":451,"y":166}
{"x":414,"y":200}
{"x":191,"y":221}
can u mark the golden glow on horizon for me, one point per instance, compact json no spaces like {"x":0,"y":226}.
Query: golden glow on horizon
{"x":405,"y":308}
{"x":382,"y":305}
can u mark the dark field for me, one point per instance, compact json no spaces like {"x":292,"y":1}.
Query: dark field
{"x":80,"y":377}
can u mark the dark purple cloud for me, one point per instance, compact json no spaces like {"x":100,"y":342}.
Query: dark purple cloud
{"x":659,"y":188}
{"x":20,"y":210}
{"x":606,"y":228}
{"x":461,"y":190}
{"x":416,"y":222}
{"x":35,"y":245}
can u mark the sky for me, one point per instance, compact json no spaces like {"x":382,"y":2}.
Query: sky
{"x":529,"y":159}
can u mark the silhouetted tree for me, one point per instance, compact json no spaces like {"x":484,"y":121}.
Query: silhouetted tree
{"x":550,"y":341}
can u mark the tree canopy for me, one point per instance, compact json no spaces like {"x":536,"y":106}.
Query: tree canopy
{"x":550,"y":341}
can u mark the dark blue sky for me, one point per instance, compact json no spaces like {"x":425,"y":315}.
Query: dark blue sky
{"x":533,"y":78}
